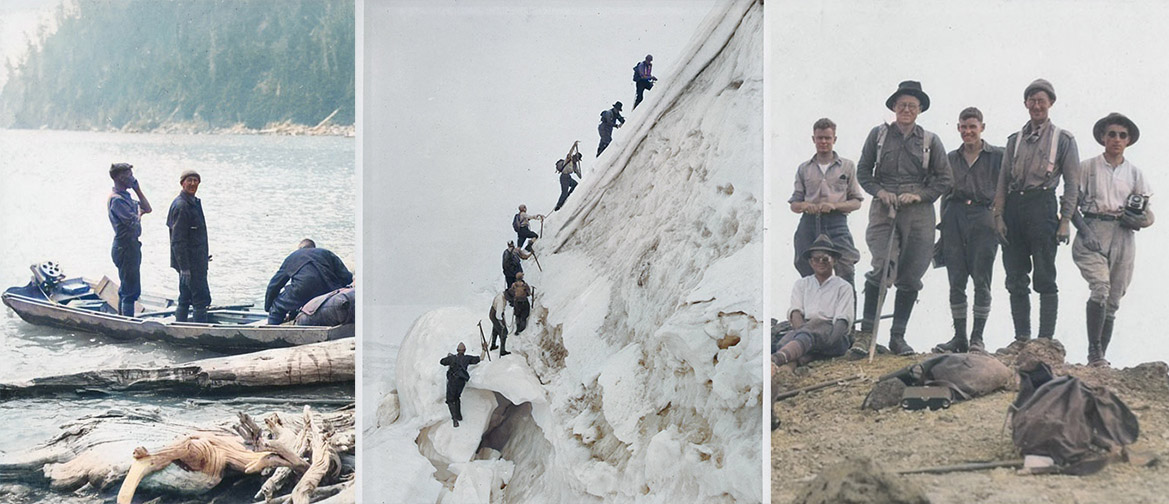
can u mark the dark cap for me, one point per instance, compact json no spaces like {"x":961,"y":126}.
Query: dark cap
{"x":1039,"y":85}
{"x":911,"y":88}
{"x":120,"y":167}
{"x":1116,"y":118}
{"x":617,"y":105}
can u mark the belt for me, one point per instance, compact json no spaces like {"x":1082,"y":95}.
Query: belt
{"x":972,"y":202}
{"x":1102,"y":217}
{"x":1033,"y":190}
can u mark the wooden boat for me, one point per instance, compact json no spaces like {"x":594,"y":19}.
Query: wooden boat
{"x":84,"y":305}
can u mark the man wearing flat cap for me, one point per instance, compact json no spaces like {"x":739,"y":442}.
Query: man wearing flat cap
{"x":821,"y":312}
{"x":125,"y":215}
{"x":188,"y":249}
{"x":1028,"y":221}
{"x":1113,"y":204}
{"x":905,"y":168}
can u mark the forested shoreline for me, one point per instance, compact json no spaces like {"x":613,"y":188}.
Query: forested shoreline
{"x":251,"y":66}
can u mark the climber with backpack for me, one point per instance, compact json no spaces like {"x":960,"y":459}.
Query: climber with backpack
{"x":566,"y":167}
{"x":643,"y":77}
{"x":610,"y":119}
{"x":520,"y":224}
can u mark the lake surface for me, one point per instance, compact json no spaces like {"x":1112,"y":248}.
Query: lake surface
{"x":261,"y":196}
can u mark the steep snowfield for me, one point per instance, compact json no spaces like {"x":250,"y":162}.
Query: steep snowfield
{"x":638,"y":378}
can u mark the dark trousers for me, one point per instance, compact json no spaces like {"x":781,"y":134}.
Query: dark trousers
{"x":522,"y":235}
{"x":454,"y":390}
{"x":128,"y":258}
{"x":606,"y":137}
{"x":1032,"y":221}
{"x":509,"y":279}
{"x":969,"y":245}
{"x":522,"y":310}
{"x":816,"y":335}
{"x":499,"y":332}
{"x":567,"y":185}
{"x":835,"y":225}
{"x":642,"y":86}
{"x":195,"y":293}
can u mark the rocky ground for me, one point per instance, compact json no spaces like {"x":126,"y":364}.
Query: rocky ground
{"x":821,"y":429}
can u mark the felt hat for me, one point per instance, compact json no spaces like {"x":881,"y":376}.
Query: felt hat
{"x":1116,"y":118}
{"x":911,"y":88}
{"x":823,"y":243}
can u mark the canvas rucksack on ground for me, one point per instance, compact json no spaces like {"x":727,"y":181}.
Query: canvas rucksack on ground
{"x":966,"y":375}
{"x":1067,"y":419}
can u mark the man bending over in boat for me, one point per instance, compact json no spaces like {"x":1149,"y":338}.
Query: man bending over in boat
{"x":126,"y":216}
{"x":305,"y":274}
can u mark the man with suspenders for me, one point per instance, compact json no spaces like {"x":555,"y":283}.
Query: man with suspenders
{"x":1028,"y":221}
{"x":1113,"y":204}
{"x":905,"y":168}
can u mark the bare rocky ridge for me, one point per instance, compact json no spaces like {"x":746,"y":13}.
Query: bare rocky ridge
{"x":821,"y":429}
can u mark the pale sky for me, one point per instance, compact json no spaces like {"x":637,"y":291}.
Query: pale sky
{"x":843,"y":59}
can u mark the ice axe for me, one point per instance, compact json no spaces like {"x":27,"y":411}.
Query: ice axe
{"x":884,"y":279}
{"x":483,"y":341}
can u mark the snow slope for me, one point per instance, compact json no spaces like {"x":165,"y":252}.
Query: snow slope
{"x":639,"y":377}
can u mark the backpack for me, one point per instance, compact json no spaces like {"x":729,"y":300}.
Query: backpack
{"x":515,"y":223}
{"x":559,"y":166}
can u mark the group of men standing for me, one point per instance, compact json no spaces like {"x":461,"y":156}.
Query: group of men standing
{"x":307,"y":273}
{"x":989,"y":196}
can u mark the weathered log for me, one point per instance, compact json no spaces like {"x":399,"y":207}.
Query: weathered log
{"x":302,"y":492}
{"x":96,"y":450}
{"x":210,"y":454}
{"x":327,"y":362}
{"x":318,"y":494}
{"x":280,"y":476}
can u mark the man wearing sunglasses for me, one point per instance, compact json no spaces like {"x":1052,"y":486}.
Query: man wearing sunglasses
{"x":1028,"y":221}
{"x":905,"y":168}
{"x":1112,"y":205}
{"x":821,"y":312}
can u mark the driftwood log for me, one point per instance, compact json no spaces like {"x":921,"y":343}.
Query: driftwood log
{"x":318,"y":363}
{"x":101,"y":451}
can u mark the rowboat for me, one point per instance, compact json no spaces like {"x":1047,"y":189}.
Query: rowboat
{"x":82,"y":304}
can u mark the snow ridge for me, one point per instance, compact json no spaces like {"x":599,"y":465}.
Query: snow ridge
{"x":638,"y":378}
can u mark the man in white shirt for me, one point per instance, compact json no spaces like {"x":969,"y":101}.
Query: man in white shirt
{"x":821,"y":313}
{"x":1113,"y":204}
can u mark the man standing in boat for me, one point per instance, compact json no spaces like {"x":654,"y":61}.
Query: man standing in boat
{"x":1029,"y":222}
{"x":188,"y":249}
{"x":126,"y":217}
{"x":306,"y":273}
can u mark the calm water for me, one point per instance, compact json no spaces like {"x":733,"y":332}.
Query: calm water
{"x":261,"y":195}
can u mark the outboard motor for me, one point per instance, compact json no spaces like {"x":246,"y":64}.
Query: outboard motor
{"x":47,"y":275}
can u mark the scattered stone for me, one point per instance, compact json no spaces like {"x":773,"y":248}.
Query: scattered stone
{"x":860,"y":481}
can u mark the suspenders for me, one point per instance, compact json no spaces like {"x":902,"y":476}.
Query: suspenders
{"x":926,"y":141}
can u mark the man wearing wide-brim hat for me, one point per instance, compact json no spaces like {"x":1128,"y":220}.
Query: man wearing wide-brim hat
{"x":1105,"y":245}
{"x":1029,"y":222}
{"x":188,"y":249}
{"x":905,"y":168}
{"x":821,"y":311}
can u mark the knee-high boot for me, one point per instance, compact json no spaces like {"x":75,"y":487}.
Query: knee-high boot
{"x":1048,"y":310}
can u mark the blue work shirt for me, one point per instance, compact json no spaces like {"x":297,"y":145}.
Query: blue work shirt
{"x":123,"y":212}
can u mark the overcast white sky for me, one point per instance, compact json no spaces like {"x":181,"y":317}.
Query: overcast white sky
{"x":468,"y":105}
{"x":843,"y":59}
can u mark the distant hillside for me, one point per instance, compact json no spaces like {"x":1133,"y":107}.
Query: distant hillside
{"x":145,"y":64}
